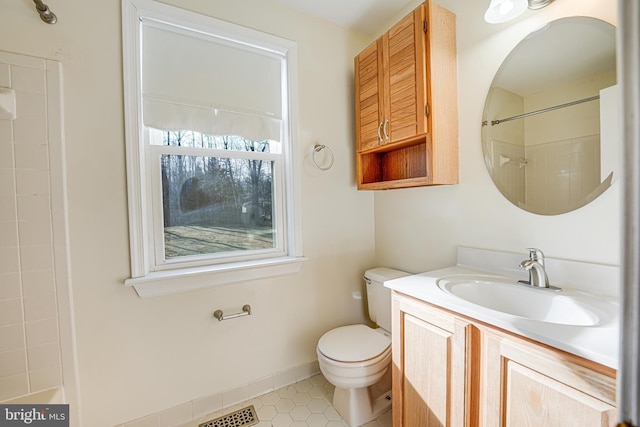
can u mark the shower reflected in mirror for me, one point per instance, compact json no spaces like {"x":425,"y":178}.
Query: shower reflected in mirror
{"x":550,"y":132}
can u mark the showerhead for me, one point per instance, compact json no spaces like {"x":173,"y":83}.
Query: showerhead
{"x":45,"y":13}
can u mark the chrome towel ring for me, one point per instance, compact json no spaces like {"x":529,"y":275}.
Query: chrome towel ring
{"x":316,"y":149}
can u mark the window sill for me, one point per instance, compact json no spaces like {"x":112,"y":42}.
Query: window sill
{"x":160,"y":283}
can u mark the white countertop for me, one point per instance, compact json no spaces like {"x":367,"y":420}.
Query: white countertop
{"x":599,"y":343}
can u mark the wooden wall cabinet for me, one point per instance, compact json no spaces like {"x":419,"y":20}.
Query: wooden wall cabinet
{"x":453,"y":371}
{"x":407,"y":103}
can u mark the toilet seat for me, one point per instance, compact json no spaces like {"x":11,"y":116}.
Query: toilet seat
{"x":354,"y":344}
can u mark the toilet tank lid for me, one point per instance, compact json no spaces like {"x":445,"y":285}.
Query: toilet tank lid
{"x":381,"y":274}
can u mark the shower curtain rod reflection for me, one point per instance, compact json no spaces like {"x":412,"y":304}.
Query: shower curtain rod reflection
{"x":45,"y":13}
{"x":544,"y":110}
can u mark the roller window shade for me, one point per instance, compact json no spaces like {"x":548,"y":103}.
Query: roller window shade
{"x":195,"y":81}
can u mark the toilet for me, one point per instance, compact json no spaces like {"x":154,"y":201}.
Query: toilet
{"x":356,"y":358}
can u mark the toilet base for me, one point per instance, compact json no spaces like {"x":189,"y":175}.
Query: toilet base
{"x":357,"y":406}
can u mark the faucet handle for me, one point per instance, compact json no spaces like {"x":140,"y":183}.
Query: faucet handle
{"x":536,"y":254}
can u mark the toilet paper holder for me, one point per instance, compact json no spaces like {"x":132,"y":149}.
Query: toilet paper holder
{"x":246,"y":311}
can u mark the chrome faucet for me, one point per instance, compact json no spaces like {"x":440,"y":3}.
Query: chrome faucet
{"x":535,"y":266}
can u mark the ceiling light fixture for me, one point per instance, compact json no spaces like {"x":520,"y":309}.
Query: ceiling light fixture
{"x":504,"y":10}
{"x":500,"y":11}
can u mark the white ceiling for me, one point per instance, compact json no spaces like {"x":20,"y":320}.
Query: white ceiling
{"x":365,"y":16}
{"x":580,"y":47}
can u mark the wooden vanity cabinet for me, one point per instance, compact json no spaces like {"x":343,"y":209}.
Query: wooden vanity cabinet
{"x":406,"y":103}
{"x":452,"y":371}
{"x":525,"y":384}
{"x":429,"y":352}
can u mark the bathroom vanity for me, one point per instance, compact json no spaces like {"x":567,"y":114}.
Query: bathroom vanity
{"x":460,"y":363}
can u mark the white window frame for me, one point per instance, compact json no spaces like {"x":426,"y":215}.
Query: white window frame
{"x":150,"y":277}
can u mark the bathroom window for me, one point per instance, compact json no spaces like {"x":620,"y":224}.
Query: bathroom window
{"x":210,"y":150}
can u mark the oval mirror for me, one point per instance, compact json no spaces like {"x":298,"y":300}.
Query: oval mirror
{"x":549,"y":130}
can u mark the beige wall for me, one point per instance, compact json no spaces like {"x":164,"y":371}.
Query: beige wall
{"x":141,"y":356}
{"x":419,"y":229}
{"x":135,"y":356}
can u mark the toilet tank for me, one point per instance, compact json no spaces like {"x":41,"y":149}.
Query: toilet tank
{"x":379,"y":297}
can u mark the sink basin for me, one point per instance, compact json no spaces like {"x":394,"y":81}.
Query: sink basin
{"x":507,"y":296}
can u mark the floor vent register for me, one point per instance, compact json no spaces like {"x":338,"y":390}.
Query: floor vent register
{"x":244,"y":417}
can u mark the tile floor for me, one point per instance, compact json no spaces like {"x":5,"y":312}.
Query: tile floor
{"x":304,"y":404}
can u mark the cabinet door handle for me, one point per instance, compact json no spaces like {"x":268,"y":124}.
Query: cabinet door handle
{"x":386,"y":135}
{"x":379,"y":135}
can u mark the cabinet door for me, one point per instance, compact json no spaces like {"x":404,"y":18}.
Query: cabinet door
{"x":405,"y":78}
{"x":369,"y":97}
{"x":526,"y":385}
{"x":390,"y":85}
{"x":428,"y":366}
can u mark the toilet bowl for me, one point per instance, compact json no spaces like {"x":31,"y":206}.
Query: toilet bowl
{"x":354,"y":368}
{"x":356,"y":358}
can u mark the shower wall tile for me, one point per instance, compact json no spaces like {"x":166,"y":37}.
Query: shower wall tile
{"x":8,"y":208}
{"x":10,"y":311}
{"x":39,"y":308}
{"x":5,"y":75}
{"x":36,"y":257}
{"x":15,"y":59}
{"x":35,"y":232}
{"x":28,"y":79}
{"x":9,"y":261}
{"x":29,"y":130}
{"x":7,"y":182}
{"x":12,"y":337}
{"x":9,"y":234}
{"x":30,"y":358}
{"x":10,"y":287}
{"x":30,"y":156}
{"x":45,"y":378}
{"x":12,"y":363}
{"x":13,"y":386}
{"x":43,"y":356}
{"x":33,"y":207}
{"x":32,"y":181}
{"x":571,"y":167}
{"x":6,"y":131}
{"x":33,"y":108}
{"x":42,"y":332}
{"x":6,"y":154}
{"x":38,"y":283}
